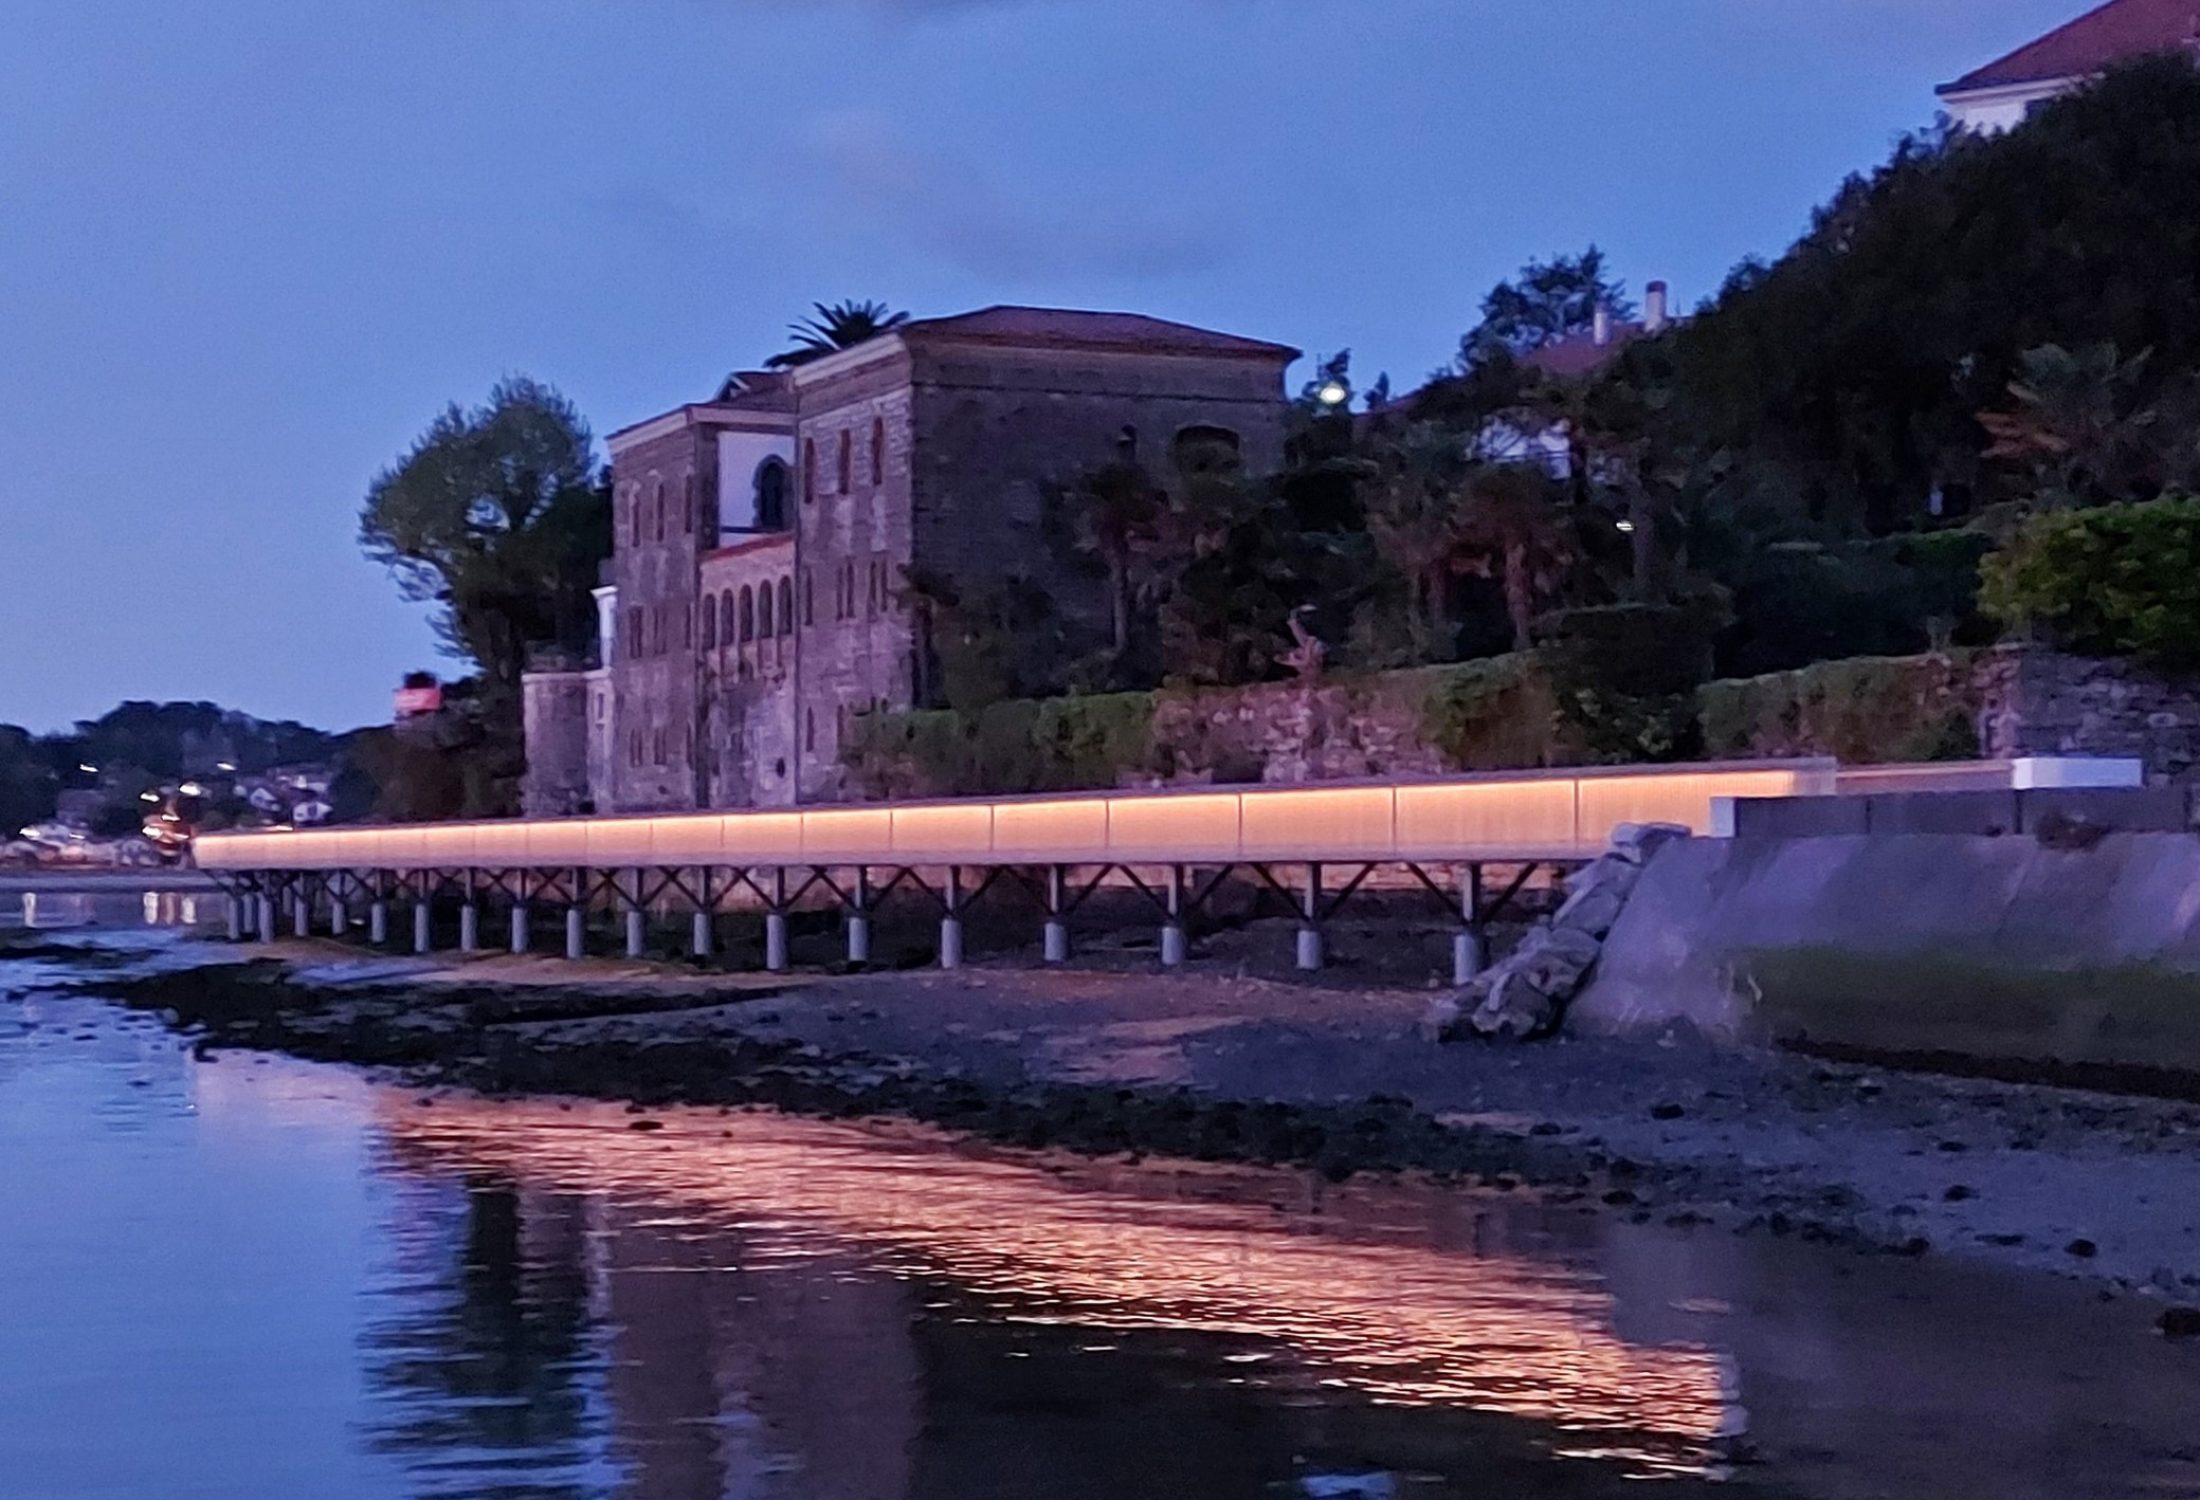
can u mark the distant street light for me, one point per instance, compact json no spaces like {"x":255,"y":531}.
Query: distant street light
{"x":1626,"y":526}
{"x":1333,"y":393}
{"x":87,"y":770}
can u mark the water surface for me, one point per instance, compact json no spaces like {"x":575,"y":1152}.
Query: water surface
{"x":242,"y":1277}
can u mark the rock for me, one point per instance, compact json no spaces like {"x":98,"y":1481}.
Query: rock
{"x":2082,"y":1248}
{"x":2179,"y":1322}
{"x":1636,"y":842}
{"x":1666,"y":1111}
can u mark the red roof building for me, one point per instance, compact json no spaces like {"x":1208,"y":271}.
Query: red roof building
{"x":2000,"y":94}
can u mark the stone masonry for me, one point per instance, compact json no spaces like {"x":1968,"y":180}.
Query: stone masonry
{"x":933,"y":448}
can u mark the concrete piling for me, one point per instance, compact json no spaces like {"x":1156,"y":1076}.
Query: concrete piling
{"x":423,"y":935}
{"x":520,"y":932}
{"x":378,"y":922}
{"x":469,"y":928}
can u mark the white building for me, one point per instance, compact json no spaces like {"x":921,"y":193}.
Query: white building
{"x":2000,"y":94}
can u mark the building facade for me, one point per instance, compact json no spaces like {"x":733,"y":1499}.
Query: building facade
{"x":1999,"y":95}
{"x":765,"y":539}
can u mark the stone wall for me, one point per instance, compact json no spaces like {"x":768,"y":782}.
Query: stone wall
{"x":555,"y":707}
{"x":1287,"y":732}
{"x":2043,"y":703}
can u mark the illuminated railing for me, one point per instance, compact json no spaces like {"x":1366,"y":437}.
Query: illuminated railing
{"x":1538,"y":815}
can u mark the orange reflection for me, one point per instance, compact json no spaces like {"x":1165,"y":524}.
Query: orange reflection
{"x":1390,"y":1315}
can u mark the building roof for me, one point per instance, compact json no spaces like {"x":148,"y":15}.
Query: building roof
{"x":2113,"y":33}
{"x":1580,"y":354}
{"x":1068,"y":328}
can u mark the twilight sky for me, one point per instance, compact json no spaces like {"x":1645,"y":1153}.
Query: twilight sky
{"x":249,"y":247}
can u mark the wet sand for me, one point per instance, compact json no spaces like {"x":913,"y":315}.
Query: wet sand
{"x":1211,"y":1066}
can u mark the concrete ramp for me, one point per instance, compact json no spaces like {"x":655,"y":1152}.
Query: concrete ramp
{"x":1990,"y":947}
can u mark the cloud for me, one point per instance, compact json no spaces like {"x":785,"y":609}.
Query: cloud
{"x":957,"y":209}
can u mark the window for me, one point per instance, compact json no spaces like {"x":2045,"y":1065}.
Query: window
{"x":809,"y":470}
{"x":660,"y":506}
{"x":771,"y":495}
{"x":846,"y":465}
{"x":786,"y":606}
{"x":633,"y":516}
{"x":687,"y":503}
{"x":764,"y":613}
{"x":637,"y":644}
{"x":809,"y":597}
{"x":634,"y":747}
{"x":658,"y":745}
{"x":1201,"y":450}
{"x":1126,"y":444}
{"x":748,"y":614}
{"x":710,"y":622}
{"x":687,"y":625}
{"x":809,"y":729}
{"x":870,"y":589}
{"x":878,"y":451}
{"x":725,"y":618}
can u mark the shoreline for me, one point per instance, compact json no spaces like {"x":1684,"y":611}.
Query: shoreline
{"x":1210,"y":1067}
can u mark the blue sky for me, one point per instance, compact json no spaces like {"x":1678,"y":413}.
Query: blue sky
{"x":249,"y":247}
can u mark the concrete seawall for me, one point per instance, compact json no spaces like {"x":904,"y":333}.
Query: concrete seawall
{"x":2082,"y":952}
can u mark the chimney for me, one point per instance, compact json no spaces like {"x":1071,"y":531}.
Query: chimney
{"x":1601,"y":330}
{"x":1653,"y":307}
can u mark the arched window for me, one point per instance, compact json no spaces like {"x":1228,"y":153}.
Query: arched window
{"x":748,"y":614}
{"x":764,"y":613}
{"x":809,"y":470}
{"x":1204,"y":450}
{"x":878,"y":451}
{"x":809,"y":597}
{"x":786,"y":606}
{"x":725,"y":618}
{"x":1126,"y":444}
{"x":710,"y":622}
{"x":771,"y":495}
{"x":847,"y":461}
{"x":660,"y":504}
{"x":687,"y":503}
{"x":634,"y":515}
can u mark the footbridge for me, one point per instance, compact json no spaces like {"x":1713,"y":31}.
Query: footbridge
{"x":1469,"y":844}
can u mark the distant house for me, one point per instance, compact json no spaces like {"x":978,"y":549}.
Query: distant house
{"x":1575,"y":357}
{"x":2000,"y":94}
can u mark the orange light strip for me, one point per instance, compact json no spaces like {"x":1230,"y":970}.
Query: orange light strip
{"x":1540,"y":815}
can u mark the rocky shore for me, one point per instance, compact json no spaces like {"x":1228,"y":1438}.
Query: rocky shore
{"x":1221,"y":1068}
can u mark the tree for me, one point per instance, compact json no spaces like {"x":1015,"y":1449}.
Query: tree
{"x":1416,"y":505}
{"x":496,"y":516}
{"x":1115,"y":515}
{"x":2076,"y":428}
{"x":1542,"y":303}
{"x":829,"y":329}
{"x":1512,"y":532}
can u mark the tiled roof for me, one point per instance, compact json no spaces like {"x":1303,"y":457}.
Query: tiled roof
{"x":1580,"y":353}
{"x":1090,"y":330}
{"x":2116,"y":32}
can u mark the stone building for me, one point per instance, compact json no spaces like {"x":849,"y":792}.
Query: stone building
{"x":764,"y":537}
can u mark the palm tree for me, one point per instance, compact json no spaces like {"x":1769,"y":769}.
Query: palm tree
{"x":1513,"y":530}
{"x":1415,"y":503}
{"x":2076,"y":425}
{"x":1117,"y":514}
{"x":828,"y":329}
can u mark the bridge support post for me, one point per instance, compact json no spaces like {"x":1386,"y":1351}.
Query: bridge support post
{"x":520,"y":932}
{"x":423,"y":935}
{"x":699,"y":934}
{"x":378,"y":922}
{"x":637,"y":924}
{"x":859,"y":918}
{"x":469,"y":927}
{"x":775,"y":924}
{"x":236,"y":919}
{"x":576,"y":932}
{"x":1054,"y":939}
{"x":266,"y":924}
{"x":1173,"y":944}
{"x":1469,"y":952}
{"x":951,"y":923}
{"x":301,"y":914}
{"x":339,"y":911}
{"x":1310,"y":953}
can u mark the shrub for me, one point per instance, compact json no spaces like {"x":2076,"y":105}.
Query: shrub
{"x":1865,"y":710}
{"x":1624,"y":677}
{"x":1014,"y":745}
{"x":1496,"y":714}
{"x":2117,"y":580}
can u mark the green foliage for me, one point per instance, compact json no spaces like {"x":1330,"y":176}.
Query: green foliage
{"x":27,"y":782}
{"x":1843,"y":382}
{"x":829,"y":329}
{"x":1544,"y":302}
{"x":2118,"y":580}
{"x":495,"y":516}
{"x":1795,"y":602}
{"x":1624,"y":677}
{"x":1496,"y":714}
{"x":1861,"y":711}
{"x":1008,"y":747}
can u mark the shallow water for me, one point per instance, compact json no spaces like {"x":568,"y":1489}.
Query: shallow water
{"x":245,"y":1277}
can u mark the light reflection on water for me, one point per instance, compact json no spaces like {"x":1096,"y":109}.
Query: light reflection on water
{"x":245,"y":1277}
{"x":116,"y":908}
